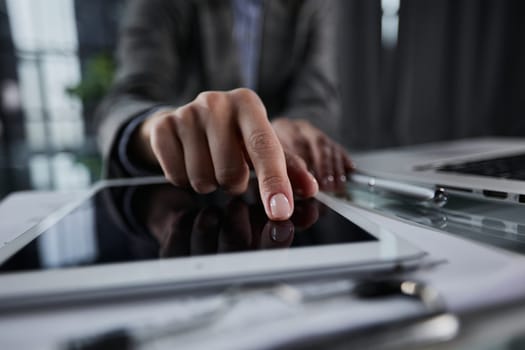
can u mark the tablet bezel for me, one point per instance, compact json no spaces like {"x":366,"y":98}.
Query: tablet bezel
{"x":119,"y":279}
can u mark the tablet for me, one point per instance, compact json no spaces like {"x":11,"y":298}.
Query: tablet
{"x":129,"y":237}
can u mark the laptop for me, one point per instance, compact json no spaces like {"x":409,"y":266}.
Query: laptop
{"x":492,"y":168}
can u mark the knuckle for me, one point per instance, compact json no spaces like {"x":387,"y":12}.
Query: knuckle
{"x":296,"y":161}
{"x":262,"y":142}
{"x":321,"y":140}
{"x":159,"y":134}
{"x":309,"y":146}
{"x":202,"y":96}
{"x":272,"y":183}
{"x":185,"y":116}
{"x":202,"y":185}
{"x":306,"y":128}
{"x":300,"y":144}
{"x":160,"y":127}
{"x":212,"y":99}
{"x":302,"y":122}
{"x":176,"y":180}
{"x":239,"y":188}
{"x":206,"y":95}
{"x":231,"y":177}
{"x":246,"y":95}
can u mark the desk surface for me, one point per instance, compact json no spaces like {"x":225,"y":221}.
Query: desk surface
{"x":469,"y":275}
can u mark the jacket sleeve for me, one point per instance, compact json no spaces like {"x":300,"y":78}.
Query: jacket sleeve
{"x":147,"y":61}
{"x":314,"y":90}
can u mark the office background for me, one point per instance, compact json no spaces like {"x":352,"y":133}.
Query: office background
{"x":412,"y":71}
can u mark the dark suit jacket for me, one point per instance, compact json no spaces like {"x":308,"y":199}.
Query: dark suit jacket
{"x":171,"y":50}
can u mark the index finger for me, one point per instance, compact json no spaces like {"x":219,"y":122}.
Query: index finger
{"x":266,"y":154}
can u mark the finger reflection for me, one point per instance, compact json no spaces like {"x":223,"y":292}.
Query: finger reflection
{"x":176,"y":234}
{"x":193,"y":227}
{"x":204,"y":235}
{"x":236,"y":232}
{"x":277,"y":234}
{"x":306,"y":213}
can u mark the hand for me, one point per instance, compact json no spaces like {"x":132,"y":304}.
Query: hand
{"x":213,"y":140}
{"x":328,"y":161}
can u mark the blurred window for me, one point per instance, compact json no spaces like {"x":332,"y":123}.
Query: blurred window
{"x":46,"y":47}
{"x":389,"y":22}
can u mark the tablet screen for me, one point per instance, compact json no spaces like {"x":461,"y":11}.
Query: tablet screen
{"x":159,"y":221}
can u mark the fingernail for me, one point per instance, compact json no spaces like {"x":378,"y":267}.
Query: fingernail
{"x":328,"y":180}
{"x":280,"y":206}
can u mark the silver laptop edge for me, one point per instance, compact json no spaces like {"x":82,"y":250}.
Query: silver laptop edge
{"x":419,"y":165}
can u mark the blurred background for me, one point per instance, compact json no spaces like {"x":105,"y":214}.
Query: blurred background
{"x":412,"y":71}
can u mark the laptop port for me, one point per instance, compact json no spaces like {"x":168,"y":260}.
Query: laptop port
{"x":495,"y":194}
{"x":456,"y":189}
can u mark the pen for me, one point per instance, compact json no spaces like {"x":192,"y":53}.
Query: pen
{"x":435,"y":195}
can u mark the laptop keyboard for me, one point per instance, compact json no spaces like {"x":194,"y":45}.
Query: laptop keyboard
{"x":512,"y":167}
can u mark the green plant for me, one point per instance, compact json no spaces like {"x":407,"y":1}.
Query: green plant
{"x":96,"y":80}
